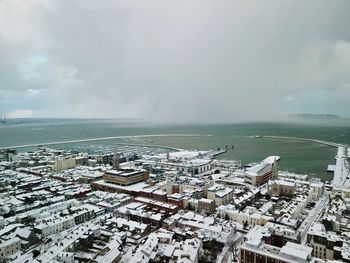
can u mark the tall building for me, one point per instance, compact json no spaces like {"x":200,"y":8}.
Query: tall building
{"x":274,"y":170}
{"x":115,"y":160}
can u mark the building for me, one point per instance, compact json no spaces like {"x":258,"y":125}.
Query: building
{"x":56,"y":223}
{"x":274,"y":169}
{"x":113,"y":255}
{"x":206,"y":206}
{"x":115,"y":160}
{"x":160,"y":195}
{"x":66,"y":257}
{"x":136,"y":229}
{"x":203,"y":225}
{"x":281,"y":188}
{"x":193,"y":166}
{"x":83,"y":216}
{"x":146,"y":192}
{"x":176,"y":199}
{"x":220,"y":194}
{"x":175,"y":189}
{"x":7,"y":155}
{"x":9,"y":247}
{"x":25,"y":234}
{"x":250,"y":215}
{"x":187,"y":251}
{"x":317,"y":190}
{"x":125,"y":176}
{"x":261,"y":246}
{"x":153,"y":204}
{"x":140,"y":212}
{"x":64,"y":164}
{"x":327,"y":245}
{"x":259,"y":174}
{"x":133,"y":189}
{"x":160,"y":246}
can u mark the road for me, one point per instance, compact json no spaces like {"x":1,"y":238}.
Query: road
{"x":313,"y":217}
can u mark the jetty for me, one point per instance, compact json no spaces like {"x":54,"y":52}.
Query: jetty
{"x":341,"y":168}
{"x":333,"y":144}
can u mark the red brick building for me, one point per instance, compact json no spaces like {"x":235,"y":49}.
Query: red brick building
{"x":176,"y":199}
{"x":162,"y":206}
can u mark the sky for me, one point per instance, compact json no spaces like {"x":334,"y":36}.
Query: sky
{"x":174,"y":61}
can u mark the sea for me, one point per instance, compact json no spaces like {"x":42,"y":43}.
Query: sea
{"x":245,"y":141}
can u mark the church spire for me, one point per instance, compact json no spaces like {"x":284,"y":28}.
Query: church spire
{"x":274,"y":170}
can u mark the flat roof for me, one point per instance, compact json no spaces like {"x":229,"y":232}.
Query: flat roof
{"x":124,"y":173}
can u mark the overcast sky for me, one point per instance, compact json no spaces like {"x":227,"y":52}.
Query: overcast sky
{"x":181,"y":61}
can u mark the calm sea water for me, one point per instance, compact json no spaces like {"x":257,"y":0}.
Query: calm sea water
{"x":301,"y":157}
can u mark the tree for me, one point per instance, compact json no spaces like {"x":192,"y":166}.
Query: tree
{"x":36,"y":253}
{"x":245,"y":225}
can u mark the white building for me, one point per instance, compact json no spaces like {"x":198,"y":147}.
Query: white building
{"x":220,"y":194}
{"x":250,"y":215}
{"x":195,"y":166}
{"x":55,"y":225}
{"x":64,"y":164}
{"x":317,"y":190}
{"x":9,"y":247}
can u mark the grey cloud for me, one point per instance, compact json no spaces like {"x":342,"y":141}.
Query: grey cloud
{"x":202,"y":61}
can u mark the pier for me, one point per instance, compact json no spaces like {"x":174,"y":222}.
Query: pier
{"x":342,"y":168}
{"x":333,"y":144}
{"x":213,"y":154}
{"x":102,"y":139}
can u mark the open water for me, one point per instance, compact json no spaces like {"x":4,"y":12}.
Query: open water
{"x":297,"y":156}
